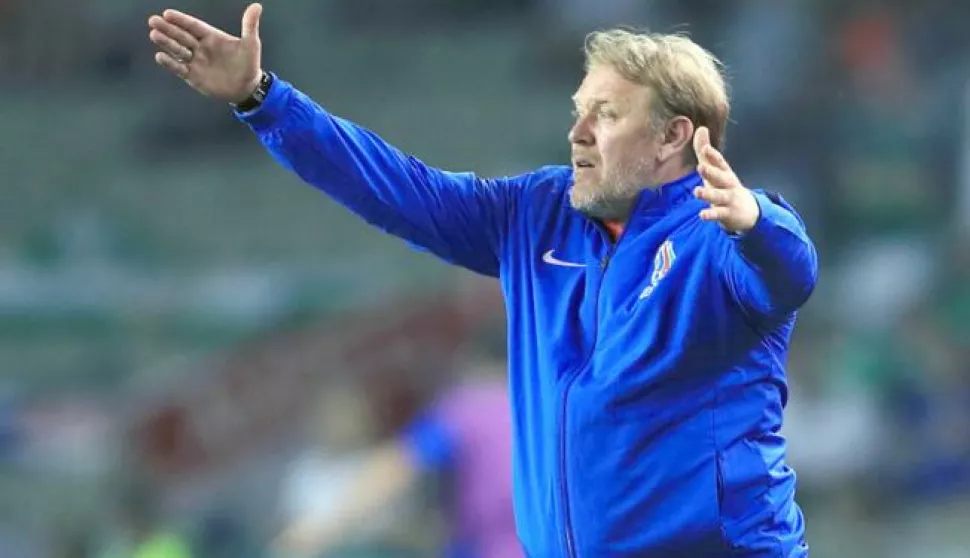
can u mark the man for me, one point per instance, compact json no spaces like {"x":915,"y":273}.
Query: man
{"x":650,"y":295}
{"x":465,"y":436}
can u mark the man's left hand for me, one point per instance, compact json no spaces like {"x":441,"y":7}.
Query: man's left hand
{"x":732,"y":205}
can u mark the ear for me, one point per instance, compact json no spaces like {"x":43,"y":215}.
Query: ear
{"x":678,"y":133}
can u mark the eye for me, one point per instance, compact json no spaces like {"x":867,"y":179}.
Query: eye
{"x":608,"y":114}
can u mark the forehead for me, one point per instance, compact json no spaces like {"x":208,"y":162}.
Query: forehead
{"x":603,"y":84}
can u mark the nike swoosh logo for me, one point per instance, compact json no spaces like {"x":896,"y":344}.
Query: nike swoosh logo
{"x":552,"y":260}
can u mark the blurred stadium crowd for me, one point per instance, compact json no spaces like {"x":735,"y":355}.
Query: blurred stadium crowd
{"x":194,"y":345}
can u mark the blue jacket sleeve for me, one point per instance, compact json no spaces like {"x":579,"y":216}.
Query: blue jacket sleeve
{"x":459,"y":217}
{"x":771,"y":269}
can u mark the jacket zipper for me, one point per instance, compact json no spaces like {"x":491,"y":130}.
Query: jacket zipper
{"x":570,"y":545}
{"x":604,"y":265}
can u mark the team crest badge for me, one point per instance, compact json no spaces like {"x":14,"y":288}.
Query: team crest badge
{"x":662,"y":262}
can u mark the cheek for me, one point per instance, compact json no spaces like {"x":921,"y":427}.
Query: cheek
{"x":634,"y":152}
{"x":610,"y":150}
{"x":622,"y":147}
{"x":620,"y":156}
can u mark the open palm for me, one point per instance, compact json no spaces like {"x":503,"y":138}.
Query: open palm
{"x":210,"y":60}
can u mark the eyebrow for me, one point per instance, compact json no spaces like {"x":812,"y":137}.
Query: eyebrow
{"x":593,"y":102}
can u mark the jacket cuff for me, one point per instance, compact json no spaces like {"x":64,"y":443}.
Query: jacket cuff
{"x":271,"y":111}
{"x":774,"y":222}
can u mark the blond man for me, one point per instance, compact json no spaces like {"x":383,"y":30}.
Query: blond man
{"x":650,"y":295}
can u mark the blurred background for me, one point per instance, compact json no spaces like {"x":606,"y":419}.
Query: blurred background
{"x":195,"y":346}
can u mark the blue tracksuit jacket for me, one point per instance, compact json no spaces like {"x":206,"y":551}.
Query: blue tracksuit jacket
{"x":647,"y":374}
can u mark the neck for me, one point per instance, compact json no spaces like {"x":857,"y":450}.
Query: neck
{"x":670,"y":175}
{"x":670,"y":171}
{"x":664,"y":175}
{"x":616,"y":212}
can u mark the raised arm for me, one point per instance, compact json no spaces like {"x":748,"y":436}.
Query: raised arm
{"x":771,"y":266}
{"x":457,"y":216}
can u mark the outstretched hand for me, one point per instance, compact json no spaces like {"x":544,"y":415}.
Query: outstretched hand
{"x":732,"y":205}
{"x":213,"y":62}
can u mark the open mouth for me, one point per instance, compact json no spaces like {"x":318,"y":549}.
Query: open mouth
{"x":583,"y":164}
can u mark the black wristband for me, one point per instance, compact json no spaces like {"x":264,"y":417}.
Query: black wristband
{"x":258,"y":96}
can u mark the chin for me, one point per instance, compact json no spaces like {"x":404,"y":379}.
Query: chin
{"x":580,"y":200}
{"x":597,"y":207}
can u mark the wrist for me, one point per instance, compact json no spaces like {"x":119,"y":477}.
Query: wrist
{"x":257,"y":92}
{"x":752,"y":211}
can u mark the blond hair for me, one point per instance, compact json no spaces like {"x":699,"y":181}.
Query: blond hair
{"x":686,"y":79}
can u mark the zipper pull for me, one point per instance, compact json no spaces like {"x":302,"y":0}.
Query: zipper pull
{"x":605,"y":262}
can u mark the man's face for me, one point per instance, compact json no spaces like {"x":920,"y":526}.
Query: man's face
{"x":614,"y":144}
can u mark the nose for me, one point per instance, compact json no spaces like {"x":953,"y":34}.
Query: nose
{"x":581,"y":133}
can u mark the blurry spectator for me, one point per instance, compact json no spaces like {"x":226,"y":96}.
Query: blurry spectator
{"x":928,"y":393}
{"x":833,"y":418}
{"x":466,"y":435}
{"x":340,"y":435}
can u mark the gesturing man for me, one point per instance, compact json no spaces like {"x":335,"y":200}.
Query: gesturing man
{"x":650,"y":295}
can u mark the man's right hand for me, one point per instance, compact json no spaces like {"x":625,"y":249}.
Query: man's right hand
{"x":210,"y":60}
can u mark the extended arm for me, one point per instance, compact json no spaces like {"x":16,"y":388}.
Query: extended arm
{"x":771,"y":265}
{"x":772,"y":268}
{"x":457,"y":216}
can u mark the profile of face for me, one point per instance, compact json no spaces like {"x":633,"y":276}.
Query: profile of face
{"x":616,"y":145}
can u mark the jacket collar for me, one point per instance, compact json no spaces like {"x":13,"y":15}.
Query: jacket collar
{"x":666,"y":196}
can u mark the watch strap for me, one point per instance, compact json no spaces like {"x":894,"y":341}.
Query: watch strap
{"x":258,"y":95}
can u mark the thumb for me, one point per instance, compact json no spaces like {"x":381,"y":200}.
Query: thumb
{"x":250,"y":21}
{"x":702,"y":140}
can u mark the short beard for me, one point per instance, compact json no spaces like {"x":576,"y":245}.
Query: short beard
{"x":614,"y":197}
{"x":605,"y":208}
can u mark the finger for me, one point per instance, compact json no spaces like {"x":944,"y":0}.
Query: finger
{"x":715,"y":213}
{"x":707,"y":153}
{"x":250,"y":21}
{"x":168,"y":62}
{"x":174,"y":32}
{"x":717,"y":178}
{"x":716,"y":158}
{"x":712,"y":195}
{"x":702,"y":140}
{"x":193,"y":25}
{"x":169,"y":45}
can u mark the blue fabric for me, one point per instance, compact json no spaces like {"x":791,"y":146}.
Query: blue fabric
{"x":647,"y":375}
{"x":430,"y":443}
{"x":458,"y":550}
